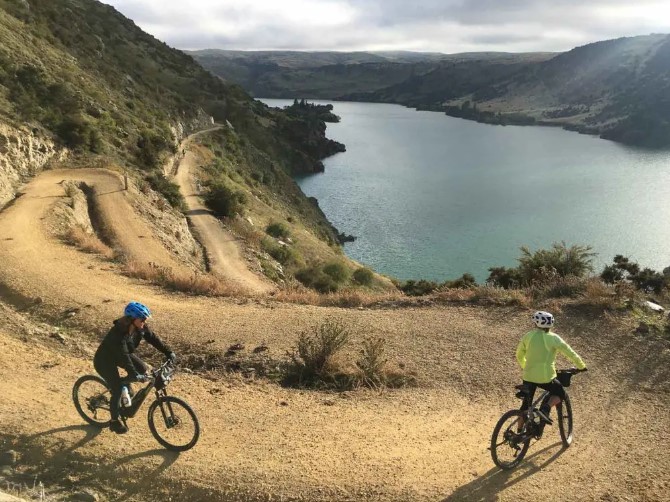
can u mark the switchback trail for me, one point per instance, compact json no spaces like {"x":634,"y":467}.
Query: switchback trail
{"x":223,"y":252}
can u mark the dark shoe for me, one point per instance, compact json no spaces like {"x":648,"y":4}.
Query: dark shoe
{"x":544,"y":416}
{"x":118,"y":427}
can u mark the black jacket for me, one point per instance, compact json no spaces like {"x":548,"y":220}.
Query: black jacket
{"x":117,"y":345}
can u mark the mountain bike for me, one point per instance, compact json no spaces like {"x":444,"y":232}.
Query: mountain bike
{"x":516,"y":428}
{"x":171,"y":420}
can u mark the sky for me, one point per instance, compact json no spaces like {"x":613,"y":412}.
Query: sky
{"x":447,"y":26}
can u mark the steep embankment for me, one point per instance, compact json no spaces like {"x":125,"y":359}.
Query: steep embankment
{"x":260,"y":440}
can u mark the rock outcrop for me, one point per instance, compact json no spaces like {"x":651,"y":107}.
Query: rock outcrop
{"x":22,"y":154}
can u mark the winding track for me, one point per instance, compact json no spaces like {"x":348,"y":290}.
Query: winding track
{"x":223,"y":254}
{"x":421,"y":444}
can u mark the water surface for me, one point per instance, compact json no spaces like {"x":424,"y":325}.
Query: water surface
{"x":431,"y":196}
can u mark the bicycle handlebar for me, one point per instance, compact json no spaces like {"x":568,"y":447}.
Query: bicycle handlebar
{"x":572,"y":371}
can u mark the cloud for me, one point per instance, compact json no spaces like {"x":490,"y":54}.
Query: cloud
{"x":429,"y":25}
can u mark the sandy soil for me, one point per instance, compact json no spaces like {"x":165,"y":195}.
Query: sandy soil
{"x":264,"y":442}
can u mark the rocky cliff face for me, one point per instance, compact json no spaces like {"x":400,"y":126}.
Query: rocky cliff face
{"x":22,"y":154}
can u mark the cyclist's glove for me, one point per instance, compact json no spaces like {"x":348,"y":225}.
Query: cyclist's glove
{"x":172,"y":357}
{"x":141,"y":378}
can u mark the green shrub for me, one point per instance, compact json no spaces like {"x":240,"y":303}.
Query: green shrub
{"x":167,"y":189}
{"x":314,"y":277}
{"x":463,"y":282}
{"x":337,"y":271}
{"x":418,"y":288}
{"x":503,"y":277}
{"x":312,"y":358}
{"x":649,"y":280}
{"x":562,"y":260}
{"x":151,"y":145}
{"x":363,"y":276}
{"x":79,"y":134}
{"x":624,"y":270}
{"x":224,"y":200}
{"x":283,"y":254}
{"x":278,"y":230}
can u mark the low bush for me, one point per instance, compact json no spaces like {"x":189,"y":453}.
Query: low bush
{"x":285,"y":255}
{"x":363,"y":276}
{"x":312,"y":361}
{"x":337,"y":271}
{"x":278,"y":230}
{"x":323,"y":278}
{"x":167,"y":189}
{"x":224,"y":200}
{"x":319,"y":361}
{"x":421,"y":287}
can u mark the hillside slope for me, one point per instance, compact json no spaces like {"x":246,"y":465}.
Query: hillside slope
{"x":615,"y":88}
{"x":261,"y":440}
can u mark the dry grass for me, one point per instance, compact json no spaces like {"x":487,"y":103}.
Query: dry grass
{"x":88,"y":242}
{"x":348,"y":298}
{"x":193,"y":283}
{"x":320,"y":360}
{"x":483,"y":295}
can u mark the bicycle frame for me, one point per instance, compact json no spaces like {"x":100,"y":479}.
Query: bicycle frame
{"x":126,"y":412}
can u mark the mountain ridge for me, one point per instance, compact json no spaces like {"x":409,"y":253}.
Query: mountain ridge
{"x":617,"y":89}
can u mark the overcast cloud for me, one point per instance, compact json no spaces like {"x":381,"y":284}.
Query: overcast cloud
{"x":421,"y":25}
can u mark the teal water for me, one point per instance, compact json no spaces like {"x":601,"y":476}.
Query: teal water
{"x":430,"y":196}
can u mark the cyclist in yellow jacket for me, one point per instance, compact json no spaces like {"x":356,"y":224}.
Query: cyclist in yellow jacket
{"x":536,"y":354}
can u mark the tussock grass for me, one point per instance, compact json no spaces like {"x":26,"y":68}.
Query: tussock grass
{"x":321,"y":360}
{"x":348,"y":298}
{"x":194,"y":283}
{"x":88,"y":242}
{"x":484,"y":295}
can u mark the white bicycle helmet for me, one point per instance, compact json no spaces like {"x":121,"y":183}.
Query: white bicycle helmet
{"x":543,"y":319}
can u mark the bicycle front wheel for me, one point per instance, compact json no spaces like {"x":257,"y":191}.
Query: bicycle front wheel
{"x":92,"y":400}
{"x":173,"y":423}
{"x":564,"y":412}
{"x":510,"y":440}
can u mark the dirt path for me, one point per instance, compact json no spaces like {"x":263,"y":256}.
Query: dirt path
{"x":263,"y":442}
{"x":223,"y":253}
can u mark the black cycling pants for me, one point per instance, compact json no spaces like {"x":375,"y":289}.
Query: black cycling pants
{"x":554,"y":387}
{"x":109,"y":371}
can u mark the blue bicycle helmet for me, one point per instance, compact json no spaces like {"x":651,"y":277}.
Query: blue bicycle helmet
{"x":137,"y":311}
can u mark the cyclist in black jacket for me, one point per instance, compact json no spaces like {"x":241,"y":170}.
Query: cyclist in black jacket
{"x":117,"y":351}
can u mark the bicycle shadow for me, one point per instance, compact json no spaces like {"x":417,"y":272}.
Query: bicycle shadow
{"x":148,"y":477}
{"x":91,"y":433}
{"x":117,"y":472}
{"x":485,"y":487}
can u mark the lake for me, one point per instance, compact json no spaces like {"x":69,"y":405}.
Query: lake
{"x":431,"y":196}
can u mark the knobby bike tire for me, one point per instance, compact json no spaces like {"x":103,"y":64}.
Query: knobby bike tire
{"x":77,"y":401}
{"x":497,"y":442}
{"x":168,"y":402}
{"x":565,"y":421}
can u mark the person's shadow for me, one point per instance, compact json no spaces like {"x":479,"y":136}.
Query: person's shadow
{"x":111,"y":472}
{"x":90,"y":433}
{"x":485,"y":487}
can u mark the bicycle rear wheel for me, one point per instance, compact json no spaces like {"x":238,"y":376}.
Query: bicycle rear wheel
{"x":173,"y":423}
{"x":564,"y":412}
{"x":92,"y":400}
{"x":510,"y":440}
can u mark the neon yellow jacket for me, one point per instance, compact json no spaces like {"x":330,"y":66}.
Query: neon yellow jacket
{"x":536,"y":354}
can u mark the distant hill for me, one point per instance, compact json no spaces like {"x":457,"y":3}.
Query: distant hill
{"x":331,"y":75}
{"x":618,"y":89}
{"x":80,"y":74}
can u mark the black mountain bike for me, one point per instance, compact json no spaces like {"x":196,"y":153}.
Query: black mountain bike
{"x":516,"y":428}
{"x":171,"y":420}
